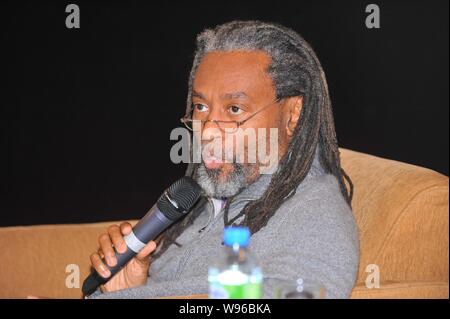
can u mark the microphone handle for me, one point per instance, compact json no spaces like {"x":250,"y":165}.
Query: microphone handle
{"x":94,"y":280}
{"x":147,"y":229}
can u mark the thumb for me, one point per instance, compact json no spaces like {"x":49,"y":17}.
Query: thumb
{"x":146,"y":251}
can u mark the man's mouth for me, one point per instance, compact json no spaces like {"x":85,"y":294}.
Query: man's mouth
{"x":212,"y":162}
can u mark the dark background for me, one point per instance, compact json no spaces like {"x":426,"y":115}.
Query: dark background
{"x":86,"y":113}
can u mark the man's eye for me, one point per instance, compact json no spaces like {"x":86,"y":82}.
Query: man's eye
{"x":235,"y":110}
{"x":200,"y":107}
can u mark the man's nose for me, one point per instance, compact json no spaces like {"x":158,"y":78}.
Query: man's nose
{"x":210,"y":131}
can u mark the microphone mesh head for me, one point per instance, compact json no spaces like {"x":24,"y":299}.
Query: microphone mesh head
{"x":179,"y":198}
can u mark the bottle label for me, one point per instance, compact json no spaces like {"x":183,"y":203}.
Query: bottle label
{"x":235,"y":285}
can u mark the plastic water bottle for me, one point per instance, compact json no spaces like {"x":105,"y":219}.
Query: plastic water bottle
{"x":235,"y":273}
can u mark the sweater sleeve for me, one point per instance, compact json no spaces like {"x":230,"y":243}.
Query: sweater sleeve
{"x":182,"y":287}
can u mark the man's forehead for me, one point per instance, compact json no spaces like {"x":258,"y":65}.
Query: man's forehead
{"x":236,"y":95}
{"x":235,"y":74}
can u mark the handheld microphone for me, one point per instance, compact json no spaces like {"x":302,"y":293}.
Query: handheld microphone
{"x":174,"y":203}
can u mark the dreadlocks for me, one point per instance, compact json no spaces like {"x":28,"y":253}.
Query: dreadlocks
{"x":295,"y":71}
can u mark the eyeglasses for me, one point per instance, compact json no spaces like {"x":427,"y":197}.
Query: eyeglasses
{"x":229,"y":127}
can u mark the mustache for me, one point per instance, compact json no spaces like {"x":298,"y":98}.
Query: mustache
{"x":220,"y":154}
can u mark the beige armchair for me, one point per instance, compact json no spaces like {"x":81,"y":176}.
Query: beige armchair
{"x":401,"y":210}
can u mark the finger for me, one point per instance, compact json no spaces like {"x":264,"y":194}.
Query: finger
{"x":36,"y":297}
{"x":117,"y":239}
{"x":99,"y":266}
{"x":100,"y":253}
{"x":125,"y":228}
{"x":107,"y":248}
{"x":146,"y":251}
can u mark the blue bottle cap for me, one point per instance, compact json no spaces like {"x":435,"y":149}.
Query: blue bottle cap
{"x":236,"y":235}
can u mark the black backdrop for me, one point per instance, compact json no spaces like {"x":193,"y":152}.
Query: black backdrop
{"x":86,"y":113}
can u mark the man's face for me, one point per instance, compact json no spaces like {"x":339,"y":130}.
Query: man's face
{"x":231,"y":86}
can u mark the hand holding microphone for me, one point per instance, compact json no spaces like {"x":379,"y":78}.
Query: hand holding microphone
{"x":134,"y":273}
{"x":123,"y":258}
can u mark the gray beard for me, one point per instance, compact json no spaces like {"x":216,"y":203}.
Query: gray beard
{"x":238,"y":179}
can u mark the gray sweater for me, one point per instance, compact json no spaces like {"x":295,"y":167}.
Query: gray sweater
{"x":312,"y":235}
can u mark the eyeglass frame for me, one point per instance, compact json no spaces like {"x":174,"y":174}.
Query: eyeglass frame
{"x":186,"y":120}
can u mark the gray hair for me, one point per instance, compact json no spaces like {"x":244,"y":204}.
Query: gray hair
{"x":294,"y":68}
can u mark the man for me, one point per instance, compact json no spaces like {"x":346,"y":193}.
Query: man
{"x":253,"y":75}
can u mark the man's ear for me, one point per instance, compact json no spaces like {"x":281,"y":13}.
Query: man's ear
{"x":294,"y":108}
